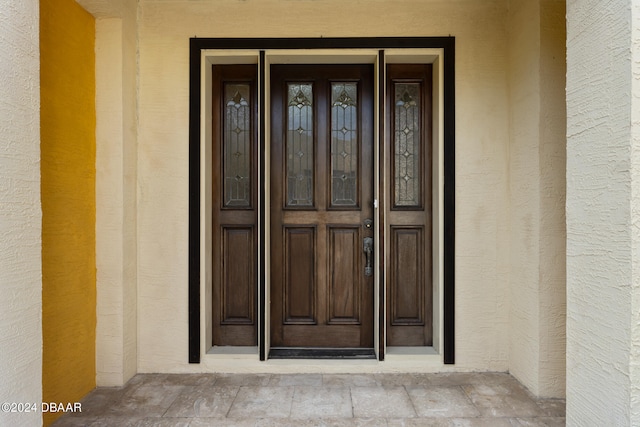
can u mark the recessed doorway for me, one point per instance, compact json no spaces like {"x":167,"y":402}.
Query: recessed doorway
{"x":342,"y":241}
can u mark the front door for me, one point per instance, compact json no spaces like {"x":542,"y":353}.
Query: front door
{"x":320,"y":201}
{"x":321,"y":206}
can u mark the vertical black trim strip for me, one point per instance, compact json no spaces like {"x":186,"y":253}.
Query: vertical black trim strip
{"x":194,"y":203}
{"x":262,"y":212}
{"x":449,"y":201}
{"x":381,"y":207}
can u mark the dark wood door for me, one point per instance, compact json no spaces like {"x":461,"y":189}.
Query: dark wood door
{"x":321,"y":204}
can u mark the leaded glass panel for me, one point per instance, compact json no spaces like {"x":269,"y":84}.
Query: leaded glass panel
{"x":237,"y":145}
{"x":407,"y":137}
{"x":299,"y":142}
{"x":344,"y":144}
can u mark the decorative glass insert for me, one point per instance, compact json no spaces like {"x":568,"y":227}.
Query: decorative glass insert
{"x":299,"y":142}
{"x":406,"y":145}
{"x":344,"y":144}
{"x":237,"y":145}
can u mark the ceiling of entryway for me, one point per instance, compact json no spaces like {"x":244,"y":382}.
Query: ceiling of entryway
{"x":103,"y":8}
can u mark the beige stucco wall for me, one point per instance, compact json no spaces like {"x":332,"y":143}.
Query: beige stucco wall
{"x":20,"y":212}
{"x":537,"y":194}
{"x":116,"y":189}
{"x":116,"y":195}
{"x":553,"y":233}
{"x":489,"y":256}
{"x":524,"y":185}
{"x":603,"y":206}
{"x":482,"y":153}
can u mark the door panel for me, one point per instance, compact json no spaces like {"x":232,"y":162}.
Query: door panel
{"x":407,"y":290}
{"x":300,"y":276}
{"x":409,"y":274}
{"x":345,"y":254}
{"x":238,"y":282}
{"x":321,"y":194}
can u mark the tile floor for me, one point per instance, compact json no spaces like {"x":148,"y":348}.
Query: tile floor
{"x":458,"y":399}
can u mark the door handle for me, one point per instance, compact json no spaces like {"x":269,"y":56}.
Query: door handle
{"x":368,"y":250}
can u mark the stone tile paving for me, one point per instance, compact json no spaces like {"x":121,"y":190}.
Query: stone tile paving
{"x":301,"y":400}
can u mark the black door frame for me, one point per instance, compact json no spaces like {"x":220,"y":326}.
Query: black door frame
{"x":447,"y":44}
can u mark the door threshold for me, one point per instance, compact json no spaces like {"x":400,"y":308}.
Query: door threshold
{"x":322,"y":353}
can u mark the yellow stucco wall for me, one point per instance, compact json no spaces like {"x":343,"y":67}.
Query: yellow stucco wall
{"x":67,"y":40}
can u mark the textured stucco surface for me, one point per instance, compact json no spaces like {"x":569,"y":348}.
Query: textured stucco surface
{"x":485,"y":265}
{"x":603,"y":203}
{"x":116,"y":161}
{"x":553,"y":233}
{"x":524,"y":166}
{"x":634,"y":356}
{"x":67,"y":58}
{"x":482,"y":159}
{"x":20,"y":214}
{"x":536,"y":171}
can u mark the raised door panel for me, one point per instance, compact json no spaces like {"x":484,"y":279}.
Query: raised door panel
{"x":300,"y":276}
{"x":345,"y":275}
{"x":407,"y":271}
{"x":238,"y":276}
